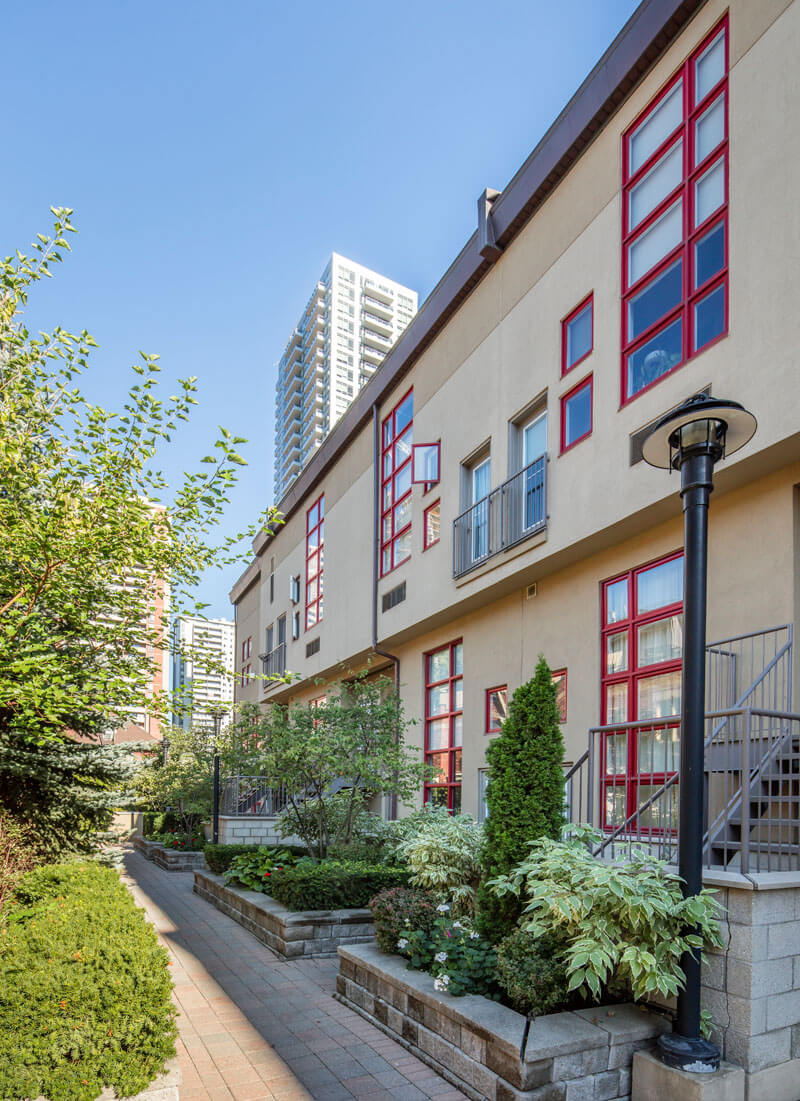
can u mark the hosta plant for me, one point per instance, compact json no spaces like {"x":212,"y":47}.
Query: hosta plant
{"x":618,"y":921}
{"x":443,"y":853}
{"x":459,"y":959}
{"x":254,"y":870}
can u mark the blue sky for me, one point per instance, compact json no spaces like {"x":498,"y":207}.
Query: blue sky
{"x":216,"y":154}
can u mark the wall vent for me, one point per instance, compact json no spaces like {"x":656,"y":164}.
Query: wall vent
{"x":531,"y":591}
{"x":394,"y":597}
{"x":312,"y":647}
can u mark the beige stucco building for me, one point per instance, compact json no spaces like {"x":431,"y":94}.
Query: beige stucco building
{"x":648,"y":249}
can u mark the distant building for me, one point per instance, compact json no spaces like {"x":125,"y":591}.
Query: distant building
{"x":352,"y":319}
{"x":202,"y":649}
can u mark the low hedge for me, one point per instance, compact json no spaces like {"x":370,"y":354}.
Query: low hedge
{"x":84,"y":989}
{"x":154,"y":822}
{"x":333,"y":884}
{"x":220,"y":857}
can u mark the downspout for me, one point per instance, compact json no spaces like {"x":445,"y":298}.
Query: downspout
{"x":376,"y":548}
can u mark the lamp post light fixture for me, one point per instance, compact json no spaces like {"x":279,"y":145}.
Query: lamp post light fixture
{"x":691,"y":439}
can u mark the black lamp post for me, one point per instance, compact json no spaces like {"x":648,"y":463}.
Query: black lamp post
{"x":691,"y":439}
{"x":217,"y":716}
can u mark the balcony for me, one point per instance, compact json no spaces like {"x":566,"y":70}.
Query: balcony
{"x":514,"y":511}
{"x":273,"y":664}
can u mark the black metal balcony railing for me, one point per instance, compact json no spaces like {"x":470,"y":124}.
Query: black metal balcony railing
{"x":514,"y":511}
{"x":274,"y":663}
{"x":251,"y":796}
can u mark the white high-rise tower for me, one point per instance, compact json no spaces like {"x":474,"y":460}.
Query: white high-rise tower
{"x":202,"y":668}
{"x":351,"y":321}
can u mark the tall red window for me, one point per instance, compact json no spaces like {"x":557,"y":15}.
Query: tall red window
{"x":396,"y":439}
{"x":444,"y":724}
{"x":315,"y":550}
{"x":577,"y":335}
{"x":642,"y":648}
{"x":675,"y":220}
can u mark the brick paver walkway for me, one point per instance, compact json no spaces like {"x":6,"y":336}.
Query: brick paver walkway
{"x":254,"y":1027}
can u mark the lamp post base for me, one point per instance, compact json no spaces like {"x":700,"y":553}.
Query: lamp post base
{"x":688,"y":1053}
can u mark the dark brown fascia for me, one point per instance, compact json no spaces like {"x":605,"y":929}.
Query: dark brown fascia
{"x":643,"y":39}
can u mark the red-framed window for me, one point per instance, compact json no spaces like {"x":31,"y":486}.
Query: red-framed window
{"x":675,"y":220}
{"x":247,"y":646}
{"x":560,"y":681}
{"x":641,"y":654}
{"x":396,"y":440}
{"x":496,"y":708}
{"x":315,"y":553}
{"x":576,"y":414}
{"x":444,"y":724}
{"x":431,"y":525}
{"x":246,"y":671}
{"x":577,"y":334}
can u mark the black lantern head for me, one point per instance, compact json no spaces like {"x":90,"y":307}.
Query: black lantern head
{"x":701,"y":423}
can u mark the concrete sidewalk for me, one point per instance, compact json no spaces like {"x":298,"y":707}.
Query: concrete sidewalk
{"x":254,"y":1027}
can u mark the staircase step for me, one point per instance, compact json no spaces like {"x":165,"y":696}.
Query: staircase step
{"x":762,"y":847}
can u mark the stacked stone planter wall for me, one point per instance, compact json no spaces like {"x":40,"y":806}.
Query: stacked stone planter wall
{"x":171,"y":860}
{"x":290,"y":934}
{"x":475,"y":1043}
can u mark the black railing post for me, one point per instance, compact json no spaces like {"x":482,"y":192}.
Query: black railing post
{"x":216,"y":799}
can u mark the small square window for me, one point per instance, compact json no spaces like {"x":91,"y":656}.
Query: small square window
{"x":425,"y":463}
{"x":576,"y":414}
{"x":577,"y":335}
{"x":496,"y":708}
{"x":560,"y":681}
{"x":431,"y":526}
{"x":295,"y":625}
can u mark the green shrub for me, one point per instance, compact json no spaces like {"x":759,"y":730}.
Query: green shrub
{"x":183,"y":842}
{"x":399,"y":910}
{"x":459,"y":959}
{"x":254,"y":869}
{"x":16,"y":855}
{"x":531,"y":974}
{"x":624,"y":923}
{"x":525,"y":795}
{"x":443,"y":853}
{"x":84,"y":989}
{"x":333,"y":885}
{"x":154,"y":822}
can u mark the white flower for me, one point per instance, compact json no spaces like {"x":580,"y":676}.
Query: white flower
{"x":402,"y":943}
{"x":457,"y":925}
{"x":441,"y":984}
{"x":440,"y":957}
{"x":474,"y":936}
{"x":443,"y":908}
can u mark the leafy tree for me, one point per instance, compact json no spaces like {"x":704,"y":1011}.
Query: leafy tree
{"x":334,"y":757}
{"x":525,"y":795}
{"x":91,"y":534}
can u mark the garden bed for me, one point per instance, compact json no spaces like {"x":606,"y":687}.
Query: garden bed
{"x":475,"y":1043}
{"x":290,"y":934}
{"x":171,"y":860}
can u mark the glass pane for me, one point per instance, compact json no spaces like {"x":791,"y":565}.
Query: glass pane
{"x":402,"y":482}
{"x":709,"y":130}
{"x":455,"y":799}
{"x":439,"y":700}
{"x":560,"y":681}
{"x":615,"y":806}
{"x":440,"y":762}
{"x":402,"y":448}
{"x":426,"y":462}
{"x":709,"y":317}
{"x":481,"y":480}
{"x":656,"y":128}
{"x":659,"y":750}
{"x":320,"y":608}
{"x":710,"y":67}
{"x":387,"y":464}
{"x":579,"y":336}
{"x":659,"y":586}
{"x":458,"y":659}
{"x":387,"y":495}
{"x":617,"y":601}
{"x":387,"y":431}
{"x":578,"y":415}
{"x":617,"y":652}
{"x":313,"y":565}
{"x":662,"y":814}
{"x":457,"y":766}
{"x":311,"y":616}
{"x":313,"y":517}
{"x":402,"y":514}
{"x":431,"y":525}
{"x":660,"y":641}
{"x":403,"y":414}
{"x":656,"y":357}
{"x":616,"y":703}
{"x":534,"y":440}
{"x":498,"y":708}
{"x":660,"y":696}
{"x":458,"y":694}
{"x":439,"y":665}
{"x":658,"y":298}
{"x":438,"y":734}
{"x":660,"y":238}
{"x":402,"y":547}
{"x":311,"y":591}
{"x":458,"y":730}
{"x":437,"y":797}
{"x":709,"y":192}
{"x":386,"y":559}
{"x":321,"y":507}
{"x":709,"y":254}
{"x":387,"y":527}
{"x":653,"y":188}
{"x":617,"y":754}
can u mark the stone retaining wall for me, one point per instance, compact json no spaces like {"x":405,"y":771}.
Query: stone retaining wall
{"x":290,"y":934}
{"x":171,"y":860}
{"x":475,"y":1043}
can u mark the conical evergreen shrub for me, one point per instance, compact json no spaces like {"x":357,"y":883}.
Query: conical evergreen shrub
{"x":525,"y":796}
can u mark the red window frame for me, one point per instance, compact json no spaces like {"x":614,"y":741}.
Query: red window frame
{"x":631,"y":624}
{"x":588,"y":381}
{"x":426,"y":543}
{"x":247,"y":648}
{"x":684,"y":309}
{"x":489,"y":729}
{"x":315,"y":530}
{"x":391,"y":472}
{"x":565,"y":324}
{"x":447,"y":791}
{"x":561,"y":674}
